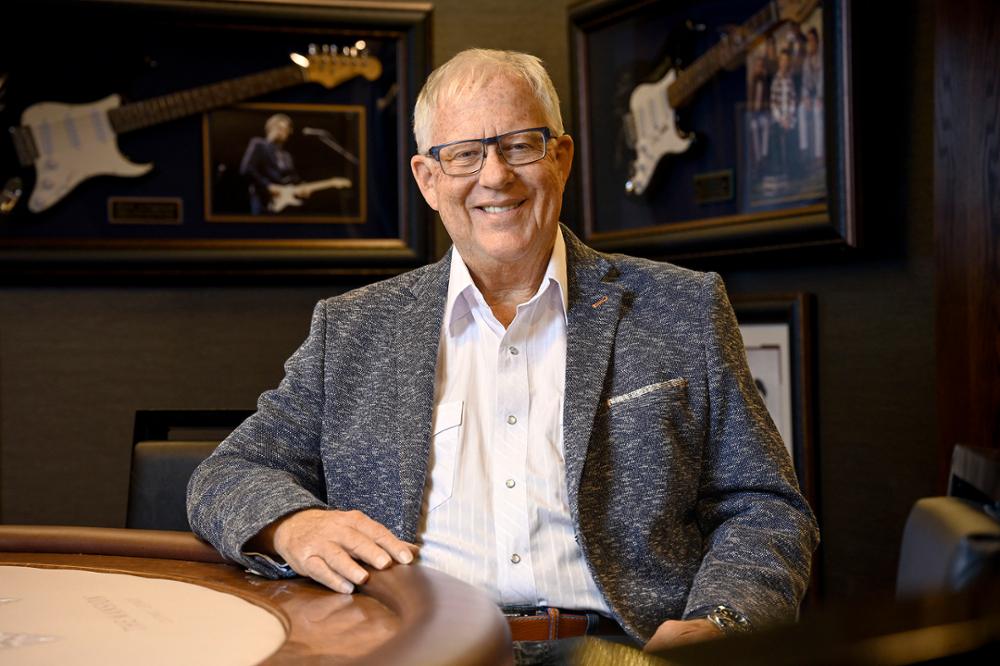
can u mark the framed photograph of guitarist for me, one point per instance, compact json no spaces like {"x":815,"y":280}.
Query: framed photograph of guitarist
{"x":293,"y":163}
{"x":713,"y":127}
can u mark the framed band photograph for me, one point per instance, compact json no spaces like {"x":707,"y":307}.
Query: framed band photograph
{"x":709,"y":127}
{"x":778,"y":337}
{"x":244,"y":136}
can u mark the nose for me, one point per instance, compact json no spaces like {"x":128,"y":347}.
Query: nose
{"x":496,"y":173}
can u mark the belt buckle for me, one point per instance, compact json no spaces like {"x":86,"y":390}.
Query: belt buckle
{"x":525,"y":612}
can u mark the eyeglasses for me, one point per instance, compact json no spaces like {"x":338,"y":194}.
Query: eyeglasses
{"x":520,"y":147}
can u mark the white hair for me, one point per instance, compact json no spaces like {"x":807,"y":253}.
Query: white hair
{"x":275,"y":119}
{"x":472,"y":70}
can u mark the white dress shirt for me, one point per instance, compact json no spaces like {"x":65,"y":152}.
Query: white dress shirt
{"x":495,"y":511}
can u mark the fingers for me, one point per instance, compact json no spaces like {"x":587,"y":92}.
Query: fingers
{"x":399,"y":550}
{"x":329,"y":546}
{"x":318,"y":569}
{"x":362,"y":548}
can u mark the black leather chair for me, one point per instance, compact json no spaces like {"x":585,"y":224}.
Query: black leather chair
{"x":158,"y":482}
{"x":167,"y":446}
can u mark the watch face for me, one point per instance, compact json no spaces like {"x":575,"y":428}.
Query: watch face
{"x":728,"y":620}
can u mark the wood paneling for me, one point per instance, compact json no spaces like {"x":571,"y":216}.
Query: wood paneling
{"x":967,"y":223}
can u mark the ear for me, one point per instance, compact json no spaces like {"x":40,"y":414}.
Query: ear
{"x":423,"y":168}
{"x":564,"y":155}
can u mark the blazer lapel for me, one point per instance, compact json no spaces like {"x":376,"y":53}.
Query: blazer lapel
{"x":595,"y":307}
{"x":416,"y":348}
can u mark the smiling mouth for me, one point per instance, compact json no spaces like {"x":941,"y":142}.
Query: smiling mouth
{"x":500,"y":209}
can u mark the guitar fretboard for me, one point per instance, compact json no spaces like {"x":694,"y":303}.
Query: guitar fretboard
{"x":691,"y":79}
{"x":203,"y":98}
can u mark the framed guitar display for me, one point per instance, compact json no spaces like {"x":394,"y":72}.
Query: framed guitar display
{"x":240,"y":136}
{"x":713,"y":127}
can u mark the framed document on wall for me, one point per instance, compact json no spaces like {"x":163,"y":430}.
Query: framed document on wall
{"x":239,"y":136}
{"x":708,"y":127}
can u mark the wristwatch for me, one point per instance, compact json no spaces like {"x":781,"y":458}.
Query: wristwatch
{"x":729,"y":621}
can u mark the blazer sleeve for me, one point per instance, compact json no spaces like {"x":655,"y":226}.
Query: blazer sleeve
{"x":759,"y":531}
{"x":255,"y":163}
{"x":270,"y":465}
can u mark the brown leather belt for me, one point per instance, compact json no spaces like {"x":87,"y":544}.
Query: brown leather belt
{"x":548,"y":624}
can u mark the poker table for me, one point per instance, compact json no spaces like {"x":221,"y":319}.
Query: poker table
{"x":102,"y":595}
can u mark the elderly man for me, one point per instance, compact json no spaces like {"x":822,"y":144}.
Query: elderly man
{"x":562,"y":428}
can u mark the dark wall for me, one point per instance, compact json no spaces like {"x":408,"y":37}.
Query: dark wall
{"x":77,"y":361}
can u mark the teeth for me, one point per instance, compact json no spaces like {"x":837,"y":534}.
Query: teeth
{"x":498,"y":209}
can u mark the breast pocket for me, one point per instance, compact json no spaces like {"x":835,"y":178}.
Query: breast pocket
{"x":654,"y":426}
{"x":659,"y":390}
{"x":444,"y":452}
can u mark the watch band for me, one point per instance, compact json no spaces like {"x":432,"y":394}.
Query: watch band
{"x":729,"y":621}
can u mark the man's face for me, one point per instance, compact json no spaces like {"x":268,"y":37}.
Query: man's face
{"x":784,"y":63}
{"x":502,"y":217}
{"x":279,"y":131}
{"x":812,"y":45}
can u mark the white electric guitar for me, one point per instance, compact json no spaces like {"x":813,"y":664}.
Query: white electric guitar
{"x":283,"y":196}
{"x":651,"y":123}
{"x":68,"y":143}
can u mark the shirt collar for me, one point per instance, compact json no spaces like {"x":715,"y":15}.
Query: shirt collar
{"x":460,"y":283}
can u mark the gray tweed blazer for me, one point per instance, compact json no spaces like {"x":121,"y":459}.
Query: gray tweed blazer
{"x":680,"y":489}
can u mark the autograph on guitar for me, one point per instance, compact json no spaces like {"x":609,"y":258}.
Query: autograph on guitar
{"x":69,"y":143}
{"x":651,"y":123}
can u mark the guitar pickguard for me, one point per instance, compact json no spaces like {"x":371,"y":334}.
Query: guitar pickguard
{"x":654,"y":123}
{"x":73,"y":142}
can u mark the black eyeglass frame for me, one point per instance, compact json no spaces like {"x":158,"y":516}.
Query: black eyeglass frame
{"x":435,"y":151}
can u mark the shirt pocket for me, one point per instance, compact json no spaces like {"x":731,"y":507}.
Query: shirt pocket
{"x":444,"y":452}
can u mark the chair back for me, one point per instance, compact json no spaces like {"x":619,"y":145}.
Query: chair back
{"x":158,"y":482}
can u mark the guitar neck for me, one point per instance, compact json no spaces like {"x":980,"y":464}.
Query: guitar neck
{"x":322,"y":184}
{"x":203,"y":98}
{"x":698,"y":73}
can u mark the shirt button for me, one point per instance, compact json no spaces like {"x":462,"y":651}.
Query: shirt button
{"x":513,"y":351}
{"x":511,"y":420}
{"x":510,"y":483}
{"x":515,"y":558}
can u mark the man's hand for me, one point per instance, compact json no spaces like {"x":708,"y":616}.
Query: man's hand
{"x":326,"y":545}
{"x":674,"y":633}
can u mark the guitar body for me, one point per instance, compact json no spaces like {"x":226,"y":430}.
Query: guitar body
{"x":283,"y":197}
{"x":74,"y":142}
{"x":656,"y":133}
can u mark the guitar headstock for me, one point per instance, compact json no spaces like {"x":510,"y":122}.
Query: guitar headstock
{"x":330,"y":68}
{"x":796,"y":10}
